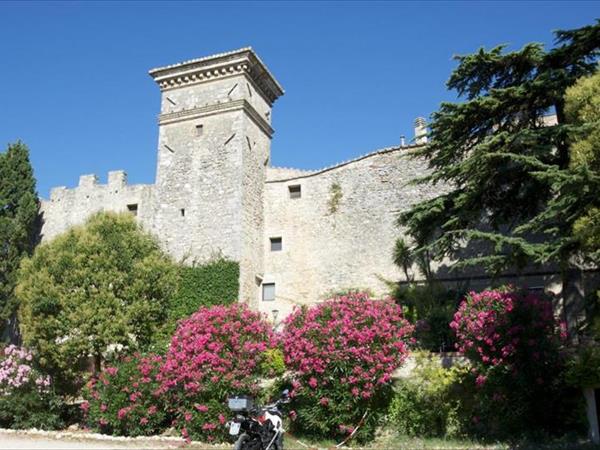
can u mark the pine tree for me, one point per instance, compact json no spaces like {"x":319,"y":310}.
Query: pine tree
{"x":19,"y":209}
{"x":509,"y":194}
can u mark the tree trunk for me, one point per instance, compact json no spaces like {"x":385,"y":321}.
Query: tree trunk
{"x":573,"y":305}
{"x":97,"y":363}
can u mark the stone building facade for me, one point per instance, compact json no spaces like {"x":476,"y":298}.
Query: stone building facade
{"x":296,"y":234}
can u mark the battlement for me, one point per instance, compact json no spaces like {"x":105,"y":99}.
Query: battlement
{"x":89,"y":185}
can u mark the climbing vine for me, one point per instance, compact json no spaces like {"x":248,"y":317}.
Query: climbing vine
{"x":336,"y":196}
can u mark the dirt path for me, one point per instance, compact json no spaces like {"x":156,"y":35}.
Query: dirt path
{"x":57,"y":441}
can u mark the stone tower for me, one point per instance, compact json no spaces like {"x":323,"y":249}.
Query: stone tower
{"x":213,"y":152}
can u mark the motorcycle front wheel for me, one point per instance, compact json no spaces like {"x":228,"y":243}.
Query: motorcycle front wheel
{"x":245,"y":442}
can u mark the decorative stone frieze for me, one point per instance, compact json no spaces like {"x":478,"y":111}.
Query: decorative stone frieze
{"x":242,"y":61}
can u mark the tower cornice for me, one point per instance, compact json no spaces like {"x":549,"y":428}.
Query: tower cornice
{"x":217,"y":108}
{"x":222,"y":65}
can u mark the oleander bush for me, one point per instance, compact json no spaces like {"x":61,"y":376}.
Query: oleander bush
{"x":217,"y":352}
{"x":516,"y":385}
{"x":27,"y":397}
{"x":341,"y":355}
{"x":124,"y":399}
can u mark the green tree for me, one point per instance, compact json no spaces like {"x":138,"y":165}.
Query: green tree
{"x":509,"y":198}
{"x":582,"y":107}
{"x":18,"y":225}
{"x":91,"y":290}
{"x":403,"y":257}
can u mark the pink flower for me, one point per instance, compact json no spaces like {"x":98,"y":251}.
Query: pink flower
{"x":201,"y":408}
{"x":103,"y":407}
{"x":143,"y":421}
{"x":480,"y":380}
{"x":122,"y":413}
{"x":85,"y":407}
{"x":312,"y":382}
{"x":324,"y":401}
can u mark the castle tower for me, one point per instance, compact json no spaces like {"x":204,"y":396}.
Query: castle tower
{"x":213,"y":151}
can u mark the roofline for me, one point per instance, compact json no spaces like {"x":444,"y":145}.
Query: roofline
{"x":345,"y":163}
{"x":241,"y":60}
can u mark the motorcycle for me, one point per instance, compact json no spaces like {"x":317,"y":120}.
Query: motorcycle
{"x":256,"y":427}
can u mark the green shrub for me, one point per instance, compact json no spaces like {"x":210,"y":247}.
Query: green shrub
{"x":430,"y":308}
{"x":97,"y":287}
{"x":426,"y":403}
{"x":583,"y":370}
{"x":274,"y":363}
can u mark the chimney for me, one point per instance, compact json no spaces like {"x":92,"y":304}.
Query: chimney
{"x":402,"y":141}
{"x":420,"y":131}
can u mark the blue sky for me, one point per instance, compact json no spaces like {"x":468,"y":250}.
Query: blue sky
{"x":74,"y":83}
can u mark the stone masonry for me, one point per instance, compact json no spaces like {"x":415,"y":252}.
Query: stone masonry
{"x":297,"y":234}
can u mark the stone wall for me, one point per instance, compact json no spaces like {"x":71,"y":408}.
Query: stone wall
{"x":70,"y":207}
{"x":331,"y":245}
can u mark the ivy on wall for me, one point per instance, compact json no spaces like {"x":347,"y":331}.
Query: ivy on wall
{"x":213,"y":283}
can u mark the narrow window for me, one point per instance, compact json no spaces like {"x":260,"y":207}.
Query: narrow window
{"x":268,"y":292}
{"x":199,"y":130}
{"x":133,"y":208}
{"x":276,"y":244}
{"x":295,"y":191}
{"x":182,"y":211}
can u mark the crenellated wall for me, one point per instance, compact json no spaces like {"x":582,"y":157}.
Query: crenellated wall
{"x":69,"y":207}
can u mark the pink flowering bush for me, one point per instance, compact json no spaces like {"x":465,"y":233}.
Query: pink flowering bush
{"x":342,"y":354}
{"x":504,"y":328}
{"x":217,"y":352}
{"x":124,"y":398}
{"x":27,"y":397}
{"x":512,"y":340}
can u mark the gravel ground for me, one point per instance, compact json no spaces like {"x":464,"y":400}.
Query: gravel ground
{"x":56,"y":440}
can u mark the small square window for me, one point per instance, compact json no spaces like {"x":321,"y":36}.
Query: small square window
{"x":199,"y":130}
{"x":268,"y":292}
{"x":182,"y":211}
{"x":295,"y":191}
{"x":276,"y":244}
{"x":133,"y":208}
